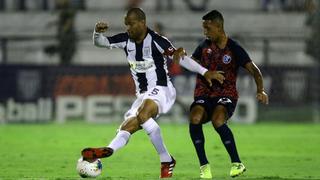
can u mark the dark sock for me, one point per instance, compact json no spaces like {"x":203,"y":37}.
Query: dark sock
{"x":197,"y":137}
{"x":228,"y":142}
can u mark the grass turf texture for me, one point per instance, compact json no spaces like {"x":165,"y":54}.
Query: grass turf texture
{"x":50,"y":151}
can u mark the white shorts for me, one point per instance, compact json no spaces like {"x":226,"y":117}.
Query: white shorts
{"x":163,"y":96}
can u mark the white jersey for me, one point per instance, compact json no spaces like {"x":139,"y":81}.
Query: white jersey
{"x":147,"y":60}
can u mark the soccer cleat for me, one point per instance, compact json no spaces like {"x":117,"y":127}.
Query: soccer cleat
{"x":167,"y":168}
{"x":89,"y":154}
{"x":205,"y":172}
{"x":237,"y":169}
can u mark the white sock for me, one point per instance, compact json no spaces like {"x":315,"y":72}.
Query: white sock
{"x":154,"y":132}
{"x":120,"y":140}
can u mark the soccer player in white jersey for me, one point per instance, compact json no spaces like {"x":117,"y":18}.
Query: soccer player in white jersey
{"x":147,"y":53}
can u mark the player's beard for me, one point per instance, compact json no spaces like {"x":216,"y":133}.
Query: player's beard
{"x":133,"y":36}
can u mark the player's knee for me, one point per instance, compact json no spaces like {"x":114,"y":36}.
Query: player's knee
{"x":195,"y":119}
{"x":131,"y":128}
{"x":142,"y":117}
{"x":217,"y":122}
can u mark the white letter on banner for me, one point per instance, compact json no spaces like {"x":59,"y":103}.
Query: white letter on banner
{"x":99,"y":109}
{"x":68,"y":106}
{"x":29,"y":112}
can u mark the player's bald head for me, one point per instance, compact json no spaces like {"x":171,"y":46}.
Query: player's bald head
{"x":214,"y":16}
{"x":137,"y":13}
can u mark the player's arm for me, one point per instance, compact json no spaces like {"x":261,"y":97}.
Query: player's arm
{"x":179,"y":56}
{"x":256,"y":73}
{"x":98,"y":38}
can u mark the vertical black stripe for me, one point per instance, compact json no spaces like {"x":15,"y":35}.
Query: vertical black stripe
{"x":143,"y":82}
{"x":125,"y":50}
{"x":159,"y":62}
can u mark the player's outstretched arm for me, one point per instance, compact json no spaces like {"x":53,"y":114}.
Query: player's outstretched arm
{"x":98,"y":38}
{"x":179,"y":56}
{"x":262,"y":96}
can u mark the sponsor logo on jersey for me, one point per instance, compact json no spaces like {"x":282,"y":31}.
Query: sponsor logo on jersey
{"x":142,"y":66}
{"x":226,"y":59}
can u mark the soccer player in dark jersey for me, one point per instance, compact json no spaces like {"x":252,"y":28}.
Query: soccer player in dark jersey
{"x":216,"y":103}
{"x":147,"y":53}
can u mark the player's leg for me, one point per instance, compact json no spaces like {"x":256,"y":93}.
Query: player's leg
{"x":197,"y":116}
{"x":226,"y":135}
{"x":127,"y":128}
{"x":147,"y":111}
{"x":220,"y":115}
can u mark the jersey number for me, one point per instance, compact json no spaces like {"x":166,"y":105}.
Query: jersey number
{"x":154,"y":92}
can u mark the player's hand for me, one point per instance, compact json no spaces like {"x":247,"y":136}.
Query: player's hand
{"x":217,"y":75}
{"x":263,"y":97}
{"x":101,"y":27}
{"x":178,"y":54}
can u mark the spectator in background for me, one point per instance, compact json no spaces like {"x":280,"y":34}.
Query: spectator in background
{"x":277,"y":5}
{"x":67,"y":38}
{"x":2,"y":5}
{"x":79,"y":4}
{"x":313,"y":22}
{"x":160,"y":3}
{"x":133,"y":3}
{"x":200,"y":7}
{"x":21,"y":5}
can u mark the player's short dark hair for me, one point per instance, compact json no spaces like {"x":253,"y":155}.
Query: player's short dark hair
{"x":138,"y":12}
{"x":214,"y":15}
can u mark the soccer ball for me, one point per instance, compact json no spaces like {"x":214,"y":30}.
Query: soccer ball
{"x":89,"y":169}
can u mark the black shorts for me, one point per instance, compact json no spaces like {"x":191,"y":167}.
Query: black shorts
{"x":210,"y":103}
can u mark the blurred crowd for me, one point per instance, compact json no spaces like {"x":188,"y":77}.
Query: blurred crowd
{"x":26,"y":5}
{"x":159,"y":5}
{"x":286,"y":5}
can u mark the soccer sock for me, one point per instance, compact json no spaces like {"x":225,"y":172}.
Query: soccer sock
{"x":154,"y":132}
{"x":120,"y":140}
{"x":228,"y":142}
{"x":197,"y":137}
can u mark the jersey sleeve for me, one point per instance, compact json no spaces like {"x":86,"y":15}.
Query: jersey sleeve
{"x":118,"y":40}
{"x":241,"y":55}
{"x":197,"y":54}
{"x":164,"y":46}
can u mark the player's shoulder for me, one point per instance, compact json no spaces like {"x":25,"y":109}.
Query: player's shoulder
{"x":123,"y":35}
{"x":205,"y":43}
{"x":162,"y":41}
{"x":157,"y":37}
{"x":120,"y":37}
{"x":233,"y":43}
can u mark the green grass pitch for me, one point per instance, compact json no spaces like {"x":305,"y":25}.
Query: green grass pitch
{"x":50,"y":151}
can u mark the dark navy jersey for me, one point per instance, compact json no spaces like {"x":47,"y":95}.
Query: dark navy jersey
{"x":228,"y":60}
{"x":147,"y":60}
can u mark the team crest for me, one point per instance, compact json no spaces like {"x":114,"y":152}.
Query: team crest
{"x":226,"y":59}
